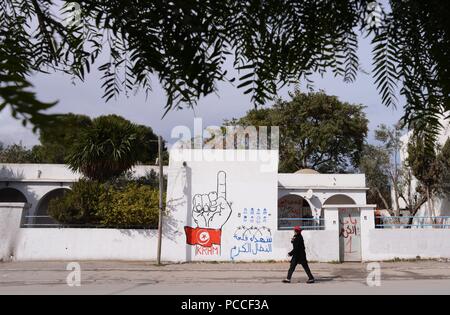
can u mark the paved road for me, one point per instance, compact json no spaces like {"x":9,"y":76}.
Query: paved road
{"x":421,"y":277}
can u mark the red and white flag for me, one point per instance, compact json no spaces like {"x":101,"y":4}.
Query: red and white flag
{"x":202,"y":236}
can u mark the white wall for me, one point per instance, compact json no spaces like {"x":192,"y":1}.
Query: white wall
{"x":54,"y":172}
{"x":387,"y":244}
{"x":322,"y":180}
{"x":251,"y":183}
{"x":85,"y":244}
{"x":322,"y":246}
{"x":10,"y":215}
{"x":35,"y":244}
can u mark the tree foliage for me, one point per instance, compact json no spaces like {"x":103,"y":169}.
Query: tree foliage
{"x":375,"y":164}
{"x":430,"y":168}
{"x":134,"y":205}
{"x":79,"y":205}
{"x":17,"y":153}
{"x":107,"y":205}
{"x":110,"y":147}
{"x":316,"y":131}
{"x":185,"y":44}
{"x":57,"y":140}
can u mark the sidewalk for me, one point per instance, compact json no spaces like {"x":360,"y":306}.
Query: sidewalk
{"x":103,"y":277}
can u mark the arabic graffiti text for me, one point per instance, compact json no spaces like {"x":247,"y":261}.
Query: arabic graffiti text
{"x":251,"y":241}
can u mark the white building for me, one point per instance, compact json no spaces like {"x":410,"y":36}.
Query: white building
{"x":215,"y":211}
{"x":441,"y":203}
{"x":37,"y":184}
{"x":300,"y":195}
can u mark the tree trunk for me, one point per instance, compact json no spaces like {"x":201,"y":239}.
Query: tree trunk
{"x":394,"y":180}
{"x":386,"y":205}
{"x":429,"y":204}
{"x":397,"y":207}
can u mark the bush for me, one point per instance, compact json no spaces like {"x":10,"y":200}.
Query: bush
{"x":80,"y":205}
{"x":133,"y":206}
{"x":108,"y":205}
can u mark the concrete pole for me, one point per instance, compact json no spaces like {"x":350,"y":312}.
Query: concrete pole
{"x":161,"y":189}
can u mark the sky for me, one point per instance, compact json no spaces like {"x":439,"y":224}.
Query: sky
{"x":229,"y":102}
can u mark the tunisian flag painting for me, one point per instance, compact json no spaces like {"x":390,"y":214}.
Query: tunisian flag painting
{"x":202,"y":236}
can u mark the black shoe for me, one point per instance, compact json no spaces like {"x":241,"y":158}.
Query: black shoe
{"x":286,"y":281}
{"x":310,"y":281}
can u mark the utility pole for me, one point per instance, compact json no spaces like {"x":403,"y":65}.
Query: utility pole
{"x":161,"y":189}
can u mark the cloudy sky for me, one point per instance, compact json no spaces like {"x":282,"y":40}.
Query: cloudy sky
{"x":86,"y":98}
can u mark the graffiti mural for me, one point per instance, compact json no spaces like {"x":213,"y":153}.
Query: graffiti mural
{"x":210,"y":212}
{"x":251,"y":241}
{"x":254,"y":239}
{"x":293,"y":207}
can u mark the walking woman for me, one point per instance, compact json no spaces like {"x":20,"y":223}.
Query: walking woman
{"x":298,"y":255}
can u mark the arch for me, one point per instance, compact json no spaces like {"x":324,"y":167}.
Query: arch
{"x":340,"y":199}
{"x":291,"y":208}
{"x":42,"y":207}
{"x":9,"y":194}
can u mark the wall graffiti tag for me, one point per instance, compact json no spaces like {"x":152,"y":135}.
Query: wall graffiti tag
{"x":251,"y":241}
{"x":210,"y":213}
{"x":349,"y":234}
{"x":254,"y":216}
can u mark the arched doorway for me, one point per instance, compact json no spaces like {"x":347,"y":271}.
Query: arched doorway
{"x":12,"y":195}
{"x":293,"y":210}
{"x":339,"y":199}
{"x":41,"y":215}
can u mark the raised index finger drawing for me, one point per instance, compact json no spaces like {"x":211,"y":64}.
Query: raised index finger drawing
{"x":222,"y":185}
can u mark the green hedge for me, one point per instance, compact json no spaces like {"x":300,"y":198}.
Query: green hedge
{"x":78,"y":206}
{"x":135,"y":205}
{"x":132,"y":205}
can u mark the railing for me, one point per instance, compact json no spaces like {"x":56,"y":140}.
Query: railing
{"x":305,"y":223}
{"x":411,"y":222}
{"x":39,"y":221}
{"x":45,"y":221}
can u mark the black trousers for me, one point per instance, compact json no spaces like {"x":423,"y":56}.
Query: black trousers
{"x":294,"y":262}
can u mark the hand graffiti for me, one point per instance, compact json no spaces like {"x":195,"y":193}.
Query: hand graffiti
{"x":212,"y":210}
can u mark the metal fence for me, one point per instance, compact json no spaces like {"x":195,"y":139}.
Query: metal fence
{"x":45,"y":221}
{"x":305,"y":223}
{"x":411,"y":222}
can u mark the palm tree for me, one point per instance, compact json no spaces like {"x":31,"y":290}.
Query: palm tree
{"x":106,"y":150}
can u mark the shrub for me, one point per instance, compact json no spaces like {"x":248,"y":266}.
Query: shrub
{"x":80,"y":205}
{"x":133,"y":206}
{"x":128,"y":205}
{"x":151,"y":178}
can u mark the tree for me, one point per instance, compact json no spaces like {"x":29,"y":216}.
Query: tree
{"x":430,"y":168}
{"x":57,"y":140}
{"x":444,"y":165}
{"x":16,"y":153}
{"x":110,"y":147}
{"x":390,"y":143}
{"x":412,"y":197}
{"x":186,"y":43}
{"x":316,"y":131}
{"x":148,"y":153}
{"x":375,"y":164}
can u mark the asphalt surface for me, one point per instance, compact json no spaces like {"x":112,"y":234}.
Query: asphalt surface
{"x":100,"y":277}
